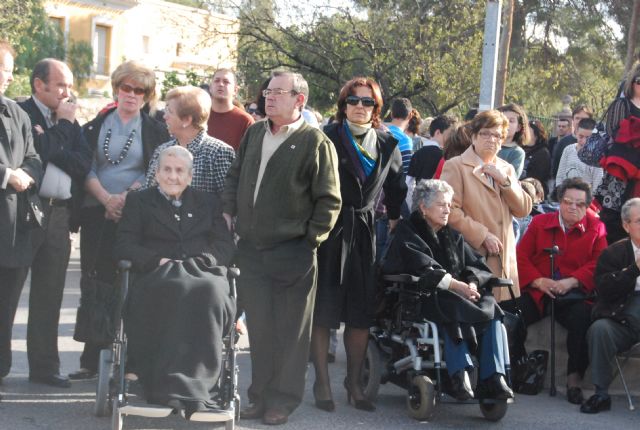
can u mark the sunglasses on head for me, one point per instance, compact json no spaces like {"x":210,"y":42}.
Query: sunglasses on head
{"x":366,"y":101}
{"x":136,"y":90}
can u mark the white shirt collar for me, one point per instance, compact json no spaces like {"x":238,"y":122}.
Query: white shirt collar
{"x":46,"y":112}
{"x":286,"y":129}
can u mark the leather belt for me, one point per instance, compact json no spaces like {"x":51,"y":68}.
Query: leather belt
{"x":56,"y":202}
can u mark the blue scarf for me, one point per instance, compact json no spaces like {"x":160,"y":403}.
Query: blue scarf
{"x":366,"y":160}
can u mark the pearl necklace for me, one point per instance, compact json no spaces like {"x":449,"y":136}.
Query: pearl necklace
{"x":123,"y":153}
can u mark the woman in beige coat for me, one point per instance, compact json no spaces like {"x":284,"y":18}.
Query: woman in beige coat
{"x":487,"y":196}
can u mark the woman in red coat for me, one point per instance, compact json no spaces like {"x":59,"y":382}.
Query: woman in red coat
{"x":580,"y":237}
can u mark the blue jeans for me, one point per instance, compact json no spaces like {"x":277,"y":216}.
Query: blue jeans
{"x":491,"y":354}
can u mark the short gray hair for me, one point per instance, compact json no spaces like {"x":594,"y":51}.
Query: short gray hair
{"x":300,"y":85}
{"x":426,"y":191}
{"x":179,"y":152}
{"x":625,"y":212}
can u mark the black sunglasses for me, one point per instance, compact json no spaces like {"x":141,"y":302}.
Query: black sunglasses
{"x":252,"y":110}
{"x":636,"y":80}
{"x":366,"y":101}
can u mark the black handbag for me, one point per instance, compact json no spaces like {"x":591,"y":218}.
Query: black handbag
{"x":95,"y":321}
{"x":516,"y":330}
{"x":575,"y":295}
{"x":528,"y":375}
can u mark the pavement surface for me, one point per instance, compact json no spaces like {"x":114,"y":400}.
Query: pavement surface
{"x":27,"y":406}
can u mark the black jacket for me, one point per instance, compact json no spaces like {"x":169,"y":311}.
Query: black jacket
{"x":65,"y":146}
{"x":16,"y":151}
{"x":615,"y":277}
{"x":347,"y":257}
{"x":149,"y":231}
{"x":416,"y":250}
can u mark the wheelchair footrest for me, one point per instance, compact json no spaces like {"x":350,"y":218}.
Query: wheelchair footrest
{"x":213,"y":416}
{"x":146,"y":411}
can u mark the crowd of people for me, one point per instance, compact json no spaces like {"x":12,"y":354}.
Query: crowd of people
{"x":305,"y":210}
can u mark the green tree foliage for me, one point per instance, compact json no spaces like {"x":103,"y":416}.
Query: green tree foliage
{"x":26,"y":25}
{"x":80,"y":61}
{"x":430,"y":50}
{"x":172,"y":80}
{"x":410,"y":54}
{"x":16,"y":17}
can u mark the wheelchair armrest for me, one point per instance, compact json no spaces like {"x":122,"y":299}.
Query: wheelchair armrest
{"x":402,"y":278}
{"x":233,"y":272}
{"x":499,"y":282}
{"x":124,"y":265}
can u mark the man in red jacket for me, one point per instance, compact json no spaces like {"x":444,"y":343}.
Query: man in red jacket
{"x":580,"y":238}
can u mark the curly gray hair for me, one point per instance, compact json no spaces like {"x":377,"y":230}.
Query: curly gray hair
{"x":426,"y":191}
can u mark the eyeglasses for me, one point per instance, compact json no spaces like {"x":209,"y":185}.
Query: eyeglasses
{"x":490,"y":135}
{"x":136,"y":90}
{"x":579,"y":204}
{"x":278,"y":92}
{"x":366,"y":101}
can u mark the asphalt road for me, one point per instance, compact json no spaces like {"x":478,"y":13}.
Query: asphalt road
{"x":28,"y":406}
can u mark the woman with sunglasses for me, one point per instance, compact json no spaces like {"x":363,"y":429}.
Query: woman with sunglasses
{"x":123,"y":139}
{"x":487,"y":196}
{"x":370,"y":161}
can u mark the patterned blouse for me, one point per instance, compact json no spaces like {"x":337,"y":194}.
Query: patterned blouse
{"x":211,"y":160}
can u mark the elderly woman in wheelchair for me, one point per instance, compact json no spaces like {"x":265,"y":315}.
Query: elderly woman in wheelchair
{"x":178,"y":308}
{"x":458,"y":299}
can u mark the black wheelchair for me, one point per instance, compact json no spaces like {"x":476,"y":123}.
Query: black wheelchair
{"x":405,"y":349}
{"x":113,"y":399}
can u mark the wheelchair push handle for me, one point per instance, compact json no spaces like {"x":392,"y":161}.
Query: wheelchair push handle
{"x":124,"y":265}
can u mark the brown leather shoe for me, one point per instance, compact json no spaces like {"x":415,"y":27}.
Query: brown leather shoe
{"x":252,"y":412}
{"x":275,"y":417}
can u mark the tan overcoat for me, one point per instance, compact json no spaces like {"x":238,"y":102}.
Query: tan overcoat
{"x":478,"y":208}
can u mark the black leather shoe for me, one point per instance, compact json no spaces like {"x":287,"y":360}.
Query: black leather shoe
{"x":82,"y":374}
{"x":252,"y":412}
{"x":574,"y":395}
{"x":55,"y":380}
{"x":596,"y":403}
{"x":461,"y":386}
{"x":494,"y":387}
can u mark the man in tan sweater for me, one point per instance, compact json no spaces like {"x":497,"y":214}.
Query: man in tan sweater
{"x":284,"y":191}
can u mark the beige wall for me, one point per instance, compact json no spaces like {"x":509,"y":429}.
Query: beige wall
{"x":207,"y":41}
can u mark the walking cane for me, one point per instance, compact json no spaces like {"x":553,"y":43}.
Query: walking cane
{"x":553,"y":251}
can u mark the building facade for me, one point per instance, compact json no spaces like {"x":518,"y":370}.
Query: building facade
{"x":163,"y":35}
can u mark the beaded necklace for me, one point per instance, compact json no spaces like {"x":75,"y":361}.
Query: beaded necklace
{"x":123,"y":153}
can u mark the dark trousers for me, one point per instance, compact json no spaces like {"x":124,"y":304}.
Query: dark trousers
{"x":491,"y":352}
{"x":277,"y":289}
{"x":51,"y":250}
{"x":97,"y":240}
{"x":575,"y":317}
{"x":607,"y":337}
{"x":11,"y":282}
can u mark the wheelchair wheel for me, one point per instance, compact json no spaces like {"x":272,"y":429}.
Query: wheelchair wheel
{"x":105,"y":366}
{"x":116,"y":417}
{"x":421,"y":398}
{"x":494,"y":410}
{"x":371,"y":371}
